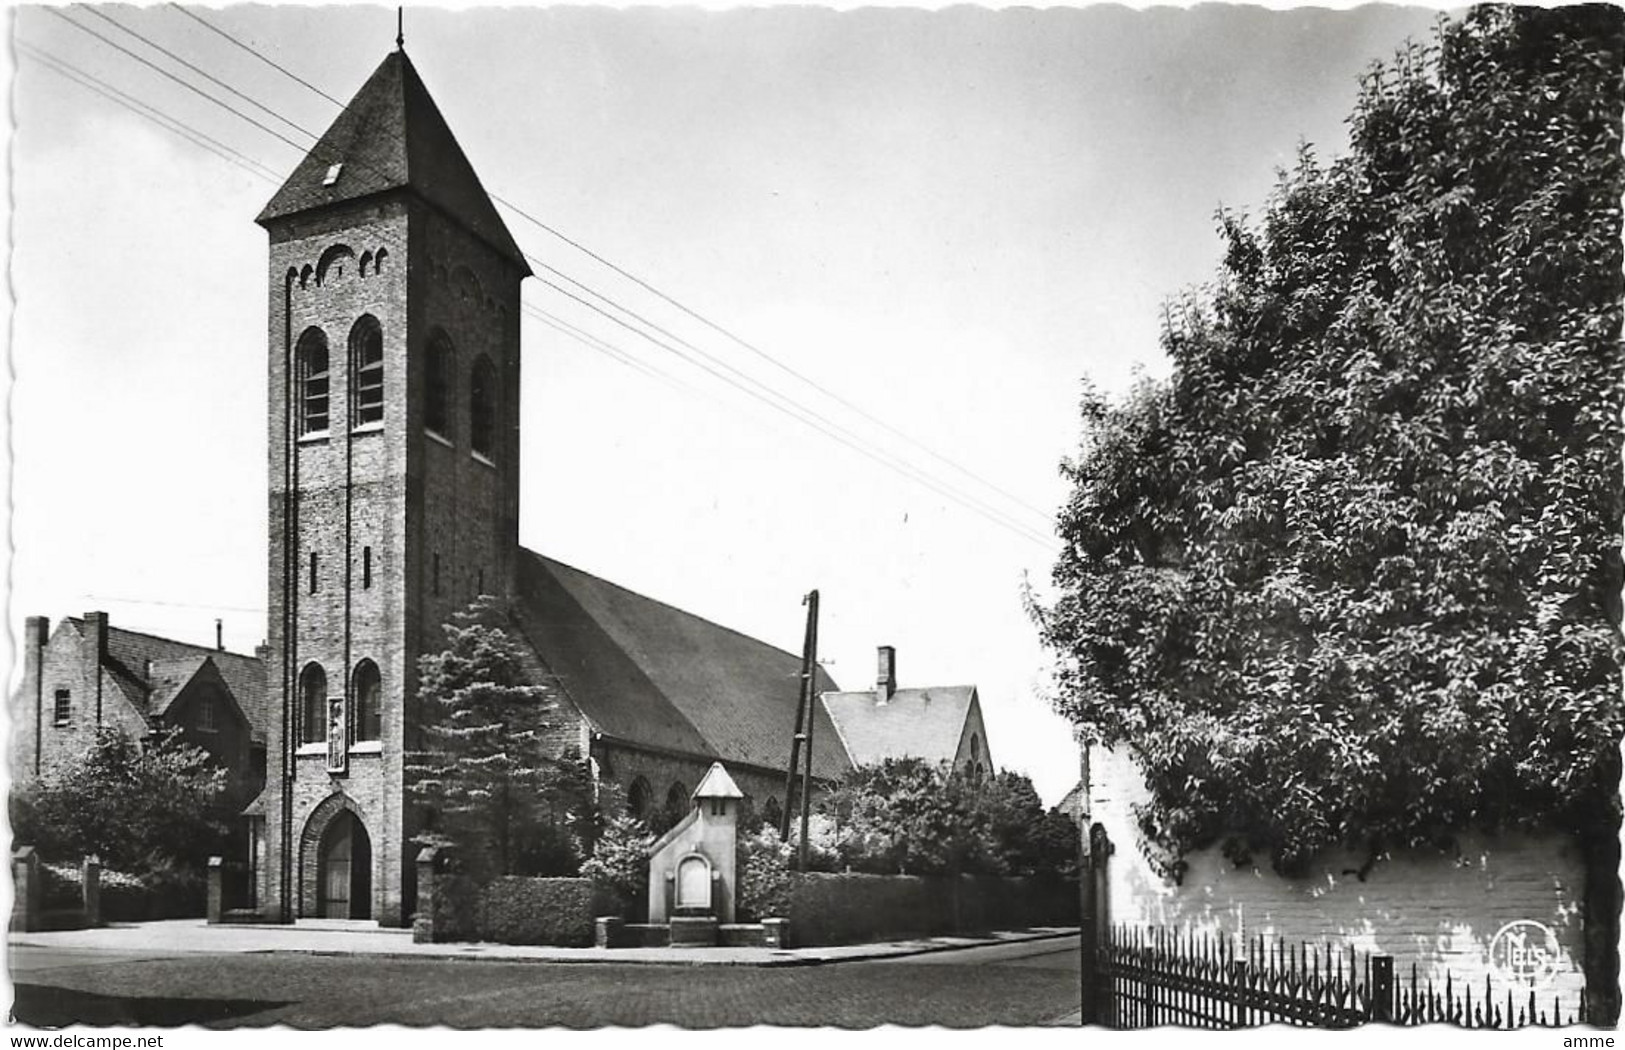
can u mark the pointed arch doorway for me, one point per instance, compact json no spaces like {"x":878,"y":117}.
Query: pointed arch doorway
{"x":344,"y":869}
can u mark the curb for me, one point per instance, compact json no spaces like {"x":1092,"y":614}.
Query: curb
{"x":476,"y":956}
{"x":609,"y":960}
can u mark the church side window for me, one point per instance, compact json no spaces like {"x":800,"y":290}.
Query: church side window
{"x":313,"y":704}
{"x":366,"y":372}
{"x":437,"y":385}
{"x":368,"y":701}
{"x":482,"y":409}
{"x":314,"y":391}
{"x":638,"y":799}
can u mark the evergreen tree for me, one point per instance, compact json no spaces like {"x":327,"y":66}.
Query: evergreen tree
{"x":489,"y":784}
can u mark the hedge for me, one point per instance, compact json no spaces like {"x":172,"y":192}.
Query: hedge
{"x":168,"y":893}
{"x":853,"y":908}
{"x":515,"y":909}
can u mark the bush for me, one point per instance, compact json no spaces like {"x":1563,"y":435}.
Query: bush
{"x":764,"y":876}
{"x":619,"y":866}
{"x":523,"y":910}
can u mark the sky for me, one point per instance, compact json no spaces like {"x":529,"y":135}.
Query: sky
{"x":949,"y":220}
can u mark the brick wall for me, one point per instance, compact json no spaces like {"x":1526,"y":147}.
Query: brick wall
{"x":1437,"y":910}
{"x":437,"y":519}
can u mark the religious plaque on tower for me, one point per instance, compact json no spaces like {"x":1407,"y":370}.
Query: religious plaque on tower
{"x":337,"y":752}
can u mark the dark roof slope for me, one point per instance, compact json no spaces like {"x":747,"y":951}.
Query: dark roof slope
{"x":923,"y":723}
{"x":128,"y":653}
{"x":392,"y":136}
{"x":647,"y":673}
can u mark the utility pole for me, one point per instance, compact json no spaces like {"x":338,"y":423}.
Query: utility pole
{"x":809,"y":674}
{"x":801,"y":711}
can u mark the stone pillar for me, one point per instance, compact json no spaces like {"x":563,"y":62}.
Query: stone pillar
{"x":423,"y":921}
{"x":90,"y":888}
{"x":776,"y":932}
{"x":217,"y":889}
{"x":25,"y":880}
{"x":608,"y":931}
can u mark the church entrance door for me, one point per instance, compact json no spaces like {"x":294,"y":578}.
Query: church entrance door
{"x":344,"y":871}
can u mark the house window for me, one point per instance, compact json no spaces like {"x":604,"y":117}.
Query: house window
{"x":313,"y":704}
{"x":482,"y":396}
{"x":437,"y":385}
{"x":368,"y":701}
{"x":63,"y":708}
{"x":366,"y":372}
{"x":313,"y":381}
{"x":366,"y":567}
{"x":206,"y":715}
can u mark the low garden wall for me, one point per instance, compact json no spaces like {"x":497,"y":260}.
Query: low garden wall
{"x":853,"y":908}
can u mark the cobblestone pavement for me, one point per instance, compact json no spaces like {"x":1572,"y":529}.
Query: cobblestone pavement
{"x":1002,"y":986}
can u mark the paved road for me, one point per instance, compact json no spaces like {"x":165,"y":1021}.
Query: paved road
{"x":1009,"y":984}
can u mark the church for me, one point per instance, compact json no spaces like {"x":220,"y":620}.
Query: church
{"x":394,"y":473}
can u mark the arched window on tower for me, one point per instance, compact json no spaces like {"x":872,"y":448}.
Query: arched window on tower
{"x":366,"y":372}
{"x":437,"y":380}
{"x":368,"y":691}
{"x":313,"y":382}
{"x":313,"y":704}
{"x":482,"y":408}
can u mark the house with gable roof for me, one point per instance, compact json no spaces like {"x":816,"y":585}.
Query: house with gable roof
{"x":941,"y":724}
{"x":88,"y":674}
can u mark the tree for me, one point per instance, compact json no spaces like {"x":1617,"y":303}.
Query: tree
{"x":490,"y":785}
{"x":141,"y":806}
{"x":1350,"y":575}
{"x":908,"y":816}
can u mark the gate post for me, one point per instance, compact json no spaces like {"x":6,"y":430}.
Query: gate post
{"x":1096,"y":921}
{"x":1382,"y":988}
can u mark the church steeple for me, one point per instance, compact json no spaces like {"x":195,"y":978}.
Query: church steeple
{"x":394,"y":477}
{"x":391,"y":137}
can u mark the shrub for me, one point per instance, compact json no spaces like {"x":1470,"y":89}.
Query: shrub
{"x":166,"y":892}
{"x":764,"y":875}
{"x":619,"y":866}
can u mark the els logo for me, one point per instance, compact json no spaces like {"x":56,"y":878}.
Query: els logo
{"x":1526,"y":952}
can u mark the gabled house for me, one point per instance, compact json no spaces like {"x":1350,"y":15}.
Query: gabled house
{"x":938,"y":724}
{"x":87,"y":674}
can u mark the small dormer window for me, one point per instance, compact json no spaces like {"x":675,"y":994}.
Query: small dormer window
{"x":332,"y":175}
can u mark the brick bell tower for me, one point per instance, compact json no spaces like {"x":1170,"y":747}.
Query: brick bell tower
{"x":394,"y":480}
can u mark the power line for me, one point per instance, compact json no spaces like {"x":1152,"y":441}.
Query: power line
{"x":664,"y":297}
{"x":174,"y":605}
{"x":782,"y":402}
{"x":166,"y":73}
{"x":90,"y":82}
{"x":210,"y":77}
{"x":211,"y":27}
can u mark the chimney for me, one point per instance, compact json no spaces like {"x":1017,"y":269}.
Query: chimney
{"x":95,"y":655}
{"x":886,"y":674}
{"x":219,"y":636}
{"x":36,"y":631}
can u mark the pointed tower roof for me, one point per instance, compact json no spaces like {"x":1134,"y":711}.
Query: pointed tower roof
{"x":392,"y":136}
{"x":717,"y":784}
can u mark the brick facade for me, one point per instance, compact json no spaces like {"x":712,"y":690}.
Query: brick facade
{"x":405,"y":525}
{"x":80,"y":660}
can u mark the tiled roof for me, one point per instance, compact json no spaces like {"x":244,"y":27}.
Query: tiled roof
{"x":168,"y":678}
{"x":128,"y":653}
{"x":392,"y":136}
{"x":922,"y":723}
{"x":649,"y":674}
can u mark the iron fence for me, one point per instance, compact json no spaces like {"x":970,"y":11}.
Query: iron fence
{"x":1159,"y":977}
